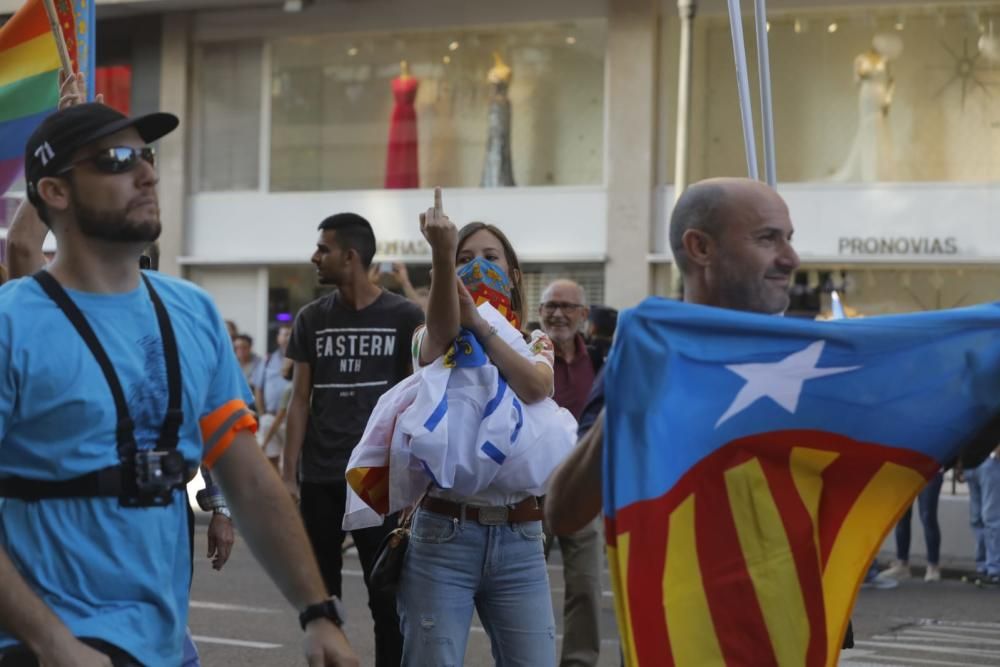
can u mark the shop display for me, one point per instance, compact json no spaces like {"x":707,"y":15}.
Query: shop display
{"x":401,"y":165}
{"x":870,"y":158}
{"x":966,"y":68}
{"x":497,"y":169}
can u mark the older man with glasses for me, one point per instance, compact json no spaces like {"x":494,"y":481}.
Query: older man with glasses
{"x":563,"y":312}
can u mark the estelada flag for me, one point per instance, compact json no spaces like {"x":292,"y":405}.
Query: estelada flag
{"x":29,"y":72}
{"x":754,"y":464}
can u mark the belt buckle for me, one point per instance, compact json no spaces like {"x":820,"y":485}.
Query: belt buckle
{"x":493,"y":516}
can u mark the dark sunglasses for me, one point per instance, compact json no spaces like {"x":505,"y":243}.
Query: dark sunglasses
{"x":117,"y":160}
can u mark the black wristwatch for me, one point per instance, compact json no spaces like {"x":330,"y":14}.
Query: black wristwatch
{"x":331,"y":608}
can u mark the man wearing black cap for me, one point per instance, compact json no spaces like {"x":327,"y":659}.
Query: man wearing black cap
{"x":103,"y":417}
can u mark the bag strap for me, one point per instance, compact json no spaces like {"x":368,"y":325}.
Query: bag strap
{"x":408,"y":516}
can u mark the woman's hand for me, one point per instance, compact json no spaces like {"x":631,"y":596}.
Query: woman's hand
{"x":440,"y":232}
{"x":468,"y":314}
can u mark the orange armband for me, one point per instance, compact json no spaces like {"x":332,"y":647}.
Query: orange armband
{"x":219,"y":428}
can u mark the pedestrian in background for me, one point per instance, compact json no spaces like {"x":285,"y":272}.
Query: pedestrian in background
{"x":563,"y":312}
{"x":927,"y":503}
{"x":269,"y":385}
{"x":349,"y":348}
{"x":984,"y":515}
{"x":249,"y":360}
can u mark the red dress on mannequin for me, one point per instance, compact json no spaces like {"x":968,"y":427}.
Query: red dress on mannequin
{"x":401,"y":168}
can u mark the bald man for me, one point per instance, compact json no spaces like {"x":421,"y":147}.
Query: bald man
{"x":731,"y":239}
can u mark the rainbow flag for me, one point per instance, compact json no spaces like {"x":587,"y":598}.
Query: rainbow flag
{"x":754,"y":465}
{"x":29,"y":72}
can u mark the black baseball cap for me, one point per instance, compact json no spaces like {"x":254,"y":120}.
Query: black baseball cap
{"x":60,"y":135}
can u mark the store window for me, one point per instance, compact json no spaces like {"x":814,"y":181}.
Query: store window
{"x":114,"y":84}
{"x":875,"y":94}
{"x":229,"y":114}
{"x":499,"y":106}
{"x":864,"y":291}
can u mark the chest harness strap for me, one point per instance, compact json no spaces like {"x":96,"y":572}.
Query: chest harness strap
{"x":142,"y":478}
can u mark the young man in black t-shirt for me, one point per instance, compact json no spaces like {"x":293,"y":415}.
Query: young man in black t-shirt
{"x":349,"y":348}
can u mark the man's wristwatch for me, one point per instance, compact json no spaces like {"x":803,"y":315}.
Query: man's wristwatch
{"x":224,"y":511}
{"x":331,"y":608}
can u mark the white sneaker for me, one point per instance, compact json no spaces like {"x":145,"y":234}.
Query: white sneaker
{"x":898,"y":571}
{"x":933,"y":573}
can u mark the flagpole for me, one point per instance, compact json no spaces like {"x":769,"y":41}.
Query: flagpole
{"x":686,"y":10}
{"x":766,"y":105}
{"x":743,"y":86}
{"x":67,"y":63}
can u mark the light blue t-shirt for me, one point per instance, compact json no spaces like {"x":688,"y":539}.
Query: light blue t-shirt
{"x":121,"y":575}
{"x":269,"y":381}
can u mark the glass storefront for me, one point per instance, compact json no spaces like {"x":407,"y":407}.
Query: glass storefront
{"x":884,"y":290}
{"x":873,"y":94}
{"x":496,"y":106}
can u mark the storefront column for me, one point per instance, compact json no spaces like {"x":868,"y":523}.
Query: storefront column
{"x":172,"y":153}
{"x":631,"y":112}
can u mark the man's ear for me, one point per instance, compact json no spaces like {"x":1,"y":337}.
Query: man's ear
{"x":698,"y":246}
{"x":55,"y":192}
{"x":350,"y":254}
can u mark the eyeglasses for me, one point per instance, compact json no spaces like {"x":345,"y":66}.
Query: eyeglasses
{"x":117,"y":160}
{"x":550,"y":307}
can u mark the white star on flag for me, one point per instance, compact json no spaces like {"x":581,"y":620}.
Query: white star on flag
{"x":781,"y":381}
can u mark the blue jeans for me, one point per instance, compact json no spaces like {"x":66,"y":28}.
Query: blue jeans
{"x":984,"y":513}
{"x":453,"y":566}
{"x":927,"y":503}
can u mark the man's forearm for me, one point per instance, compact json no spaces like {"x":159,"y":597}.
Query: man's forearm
{"x":295,"y":434}
{"x":23,"y":614}
{"x":269,"y":522}
{"x":575,"y":493}
{"x":25,"y":239}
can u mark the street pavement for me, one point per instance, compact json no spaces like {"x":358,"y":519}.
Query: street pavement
{"x":239,"y":618}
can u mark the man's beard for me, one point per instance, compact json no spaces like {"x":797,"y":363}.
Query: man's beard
{"x":751,"y":295}
{"x":115,"y":226}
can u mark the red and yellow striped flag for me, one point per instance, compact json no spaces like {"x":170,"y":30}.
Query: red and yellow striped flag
{"x":754,"y":465}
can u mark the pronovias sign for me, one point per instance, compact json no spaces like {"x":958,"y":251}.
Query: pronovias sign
{"x":887,"y":246}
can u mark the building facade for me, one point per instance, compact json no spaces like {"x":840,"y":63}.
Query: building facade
{"x":887,"y":121}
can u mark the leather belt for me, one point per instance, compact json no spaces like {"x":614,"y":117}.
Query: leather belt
{"x":529,"y":509}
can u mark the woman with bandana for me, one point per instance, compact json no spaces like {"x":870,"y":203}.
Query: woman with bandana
{"x":482,"y":552}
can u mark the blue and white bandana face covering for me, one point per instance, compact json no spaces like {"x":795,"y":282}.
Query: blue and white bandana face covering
{"x":487,"y":282}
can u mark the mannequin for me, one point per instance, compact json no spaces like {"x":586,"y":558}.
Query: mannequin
{"x":498,"y":170}
{"x":401,"y":165}
{"x":870,"y":158}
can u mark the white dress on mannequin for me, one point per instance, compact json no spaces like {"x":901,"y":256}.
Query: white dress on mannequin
{"x":870,"y":158}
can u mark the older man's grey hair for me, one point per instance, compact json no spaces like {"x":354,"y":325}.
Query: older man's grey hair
{"x":698,"y":209}
{"x":565,"y":282}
